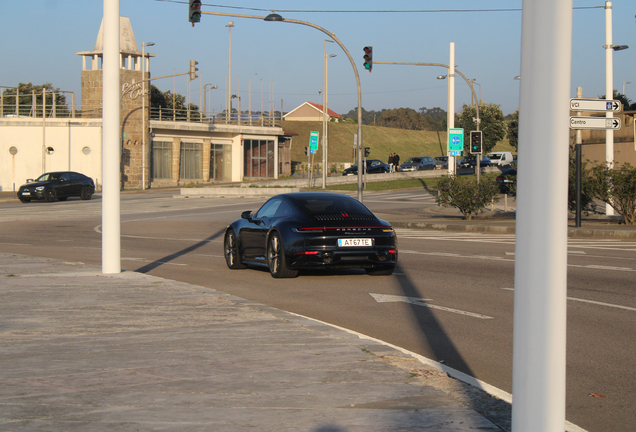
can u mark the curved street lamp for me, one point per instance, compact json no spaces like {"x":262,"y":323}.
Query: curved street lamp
{"x":205,"y":99}
{"x":143,"y":112}
{"x":276,"y":17}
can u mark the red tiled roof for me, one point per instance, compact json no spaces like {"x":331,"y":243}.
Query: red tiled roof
{"x":320,"y":108}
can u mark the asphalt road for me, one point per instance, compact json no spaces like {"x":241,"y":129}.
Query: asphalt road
{"x":466,"y":280}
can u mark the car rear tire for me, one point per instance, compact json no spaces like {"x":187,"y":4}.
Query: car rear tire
{"x":25,"y":200}
{"x":276,"y":258}
{"x":380,"y":271}
{"x":49,"y":195}
{"x":86,"y":193}
{"x":232,"y":254}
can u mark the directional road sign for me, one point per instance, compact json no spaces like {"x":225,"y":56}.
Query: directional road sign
{"x":313,"y":141}
{"x":456,"y":139}
{"x":595,"y":105}
{"x":595,"y":123}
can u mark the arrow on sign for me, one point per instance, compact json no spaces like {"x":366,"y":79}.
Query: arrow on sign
{"x":595,"y":105}
{"x":383,"y":298}
{"x":595,"y":123}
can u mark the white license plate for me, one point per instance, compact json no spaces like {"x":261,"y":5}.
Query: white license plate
{"x":26,"y":193}
{"x":353,"y":242}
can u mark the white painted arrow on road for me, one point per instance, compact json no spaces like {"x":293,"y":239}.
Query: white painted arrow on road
{"x":384,"y":298}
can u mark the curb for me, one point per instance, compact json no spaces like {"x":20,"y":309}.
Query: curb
{"x":436,"y":226}
{"x":488,"y":229}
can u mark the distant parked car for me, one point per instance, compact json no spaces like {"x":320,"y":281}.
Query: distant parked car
{"x":374,"y":166}
{"x":507,"y":180}
{"x":470,"y":161}
{"x":501,"y":158}
{"x":417,"y":163}
{"x":441,"y":162}
{"x":57,"y":185}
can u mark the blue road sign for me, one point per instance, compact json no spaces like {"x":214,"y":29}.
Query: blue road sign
{"x":456,"y":139}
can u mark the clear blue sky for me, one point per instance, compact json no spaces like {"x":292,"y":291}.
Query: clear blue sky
{"x":40,"y":38}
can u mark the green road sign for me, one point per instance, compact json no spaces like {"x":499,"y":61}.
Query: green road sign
{"x":455,"y":140}
{"x":313,"y":141}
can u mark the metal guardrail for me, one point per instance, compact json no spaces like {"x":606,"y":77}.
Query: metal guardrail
{"x":251,"y":119}
{"x":161,"y":114}
{"x":60,"y":111}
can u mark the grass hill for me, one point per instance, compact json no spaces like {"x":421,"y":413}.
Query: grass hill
{"x":381,"y":141}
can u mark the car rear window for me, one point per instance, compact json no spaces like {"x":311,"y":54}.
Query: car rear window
{"x":320,"y":205}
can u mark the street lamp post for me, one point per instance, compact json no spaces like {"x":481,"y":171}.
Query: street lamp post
{"x":228,"y":115}
{"x":143,"y":112}
{"x":609,"y":89}
{"x":625,"y":82}
{"x":324,"y":112}
{"x":276,"y":17}
{"x":205,"y":98}
{"x":451,"y":106}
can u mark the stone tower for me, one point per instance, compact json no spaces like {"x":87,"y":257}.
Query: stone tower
{"x":133,"y":126}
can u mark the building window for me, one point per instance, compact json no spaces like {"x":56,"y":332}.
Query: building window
{"x":259,"y":158}
{"x":191,"y":160}
{"x":162,"y":159}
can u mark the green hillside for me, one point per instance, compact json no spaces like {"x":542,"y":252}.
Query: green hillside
{"x":381,"y":141}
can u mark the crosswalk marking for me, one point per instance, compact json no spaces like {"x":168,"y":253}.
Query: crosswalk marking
{"x":509,"y":239}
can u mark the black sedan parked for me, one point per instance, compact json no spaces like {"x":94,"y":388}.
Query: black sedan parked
{"x":507,"y":181}
{"x":60,"y":185}
{"x":374,"y":166}
{"x":311,"y":230}
{"x":470,"y":161}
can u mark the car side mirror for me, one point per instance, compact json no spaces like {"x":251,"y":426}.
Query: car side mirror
{"x":247,"y":215}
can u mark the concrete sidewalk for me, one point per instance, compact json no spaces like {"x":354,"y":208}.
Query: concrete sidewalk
{"x":83,"y":351}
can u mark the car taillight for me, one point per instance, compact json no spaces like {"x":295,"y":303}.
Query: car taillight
{"x":306,"y":253}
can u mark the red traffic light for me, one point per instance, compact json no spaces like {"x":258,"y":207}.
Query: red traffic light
{"x":194,"y":11}
{"x":368,"y":58}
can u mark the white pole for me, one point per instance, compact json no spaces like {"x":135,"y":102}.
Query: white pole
{"x":324,"y":111}
{"x":609,"y":92}
{"x":450,"y":115}
{"x":539,"y":354}
{"x":143,"y":116}
{"x":111,"y":139}
{"x":229,"y":72}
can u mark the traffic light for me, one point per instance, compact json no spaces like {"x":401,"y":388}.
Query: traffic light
{"x":194,"y":12}
{"x":476,"y":142}
{"x":193,"y":69}
{"x":306,"y":151}
{"x":367,"y":151}
{"x":368,"y":58}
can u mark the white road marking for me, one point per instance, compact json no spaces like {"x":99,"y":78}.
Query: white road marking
{"x":591,"y":302}
{"x":452,"y":255}
{"x":383,"y":298}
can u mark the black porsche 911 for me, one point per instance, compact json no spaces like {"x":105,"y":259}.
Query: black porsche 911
{"x":310,"y":230}
{"x":57,"y":185}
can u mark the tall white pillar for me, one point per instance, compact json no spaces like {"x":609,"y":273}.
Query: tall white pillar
{"x":450,"y":115}
{"x":609,"y":91}
{"x":540,"y":296}
{"x":111,"y":141}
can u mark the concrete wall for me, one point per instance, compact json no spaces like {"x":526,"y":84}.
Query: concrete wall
{"x":624,"y":146}
{"x":68,"y":138}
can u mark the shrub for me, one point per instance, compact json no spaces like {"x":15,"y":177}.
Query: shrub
{"x":466,"y":195}
{"x":587,"y":189}
{"x":617,"y":187}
